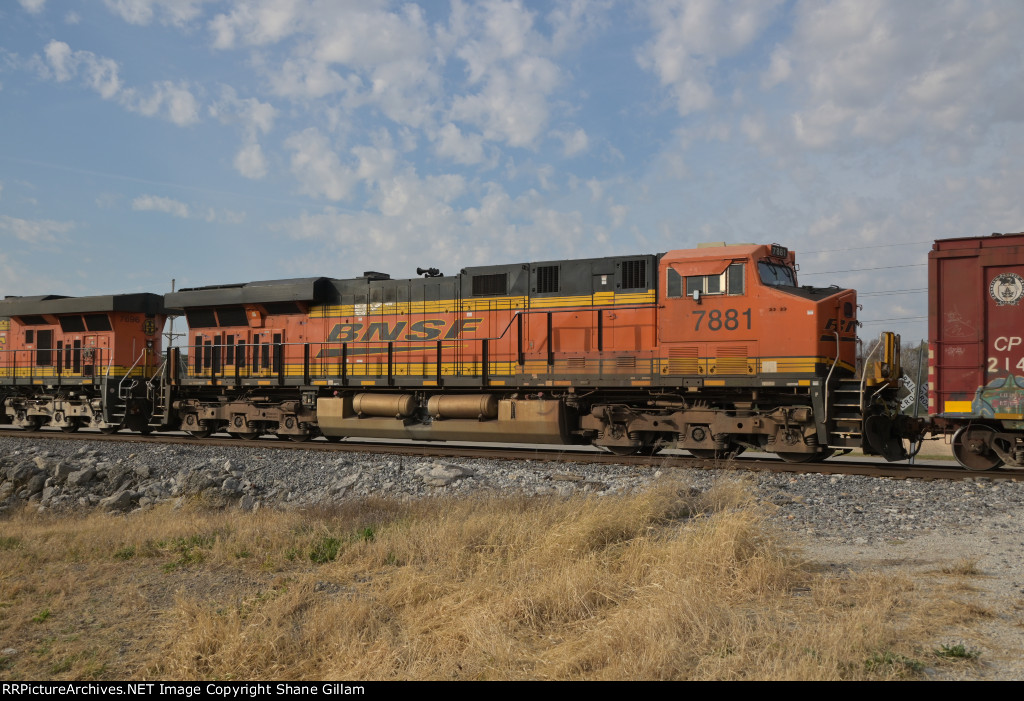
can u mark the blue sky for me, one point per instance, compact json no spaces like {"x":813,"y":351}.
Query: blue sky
{"x":217,"y":141}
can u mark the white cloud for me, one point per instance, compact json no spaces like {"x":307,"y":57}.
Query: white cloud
{"x":512,"y":63}
{"x":753,"y":127}
{"x":72,"y":18}
{"x":256,"y":117}
{"x":256,"y":23}
{"x":692,"y":35}
{"x":172,"y":101}
{"x":779,"y":69}
{"x":573,"y":143}
{"x":176,"y":208}
{"x":575,"y":21}
{"x":250,"y":161}
{"x":317,"y":166}
{"x":618,"y":214}
{"x":33,"y":7}
{"x":62,"y":64}
{"x":306,"y":79}
{"x":33,"y":231}
{"x":58,"y":55}
{"x":227,"y":216}
{"x":142,"y":12}
{"x":376,"y":163}
{"x":512,"y":106}
{"x":879,"y":71}
{"x":152,"y":203}
{"x":450,"y":142}
{"x":392,"y":60}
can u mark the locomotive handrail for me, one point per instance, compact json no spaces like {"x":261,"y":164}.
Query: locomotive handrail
{"x":120,"y":385}
{"x":159,"y":371}
{"x":829,"y":376}
{"x":11,"y":363}
{"x":217,"y":364}
{"x":864,"y":369}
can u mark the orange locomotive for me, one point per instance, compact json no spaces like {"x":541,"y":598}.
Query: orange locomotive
{"x":69,"y":362}
{"x":712,"y":350}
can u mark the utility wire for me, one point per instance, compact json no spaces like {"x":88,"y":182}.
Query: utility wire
{"x":890,"y":292}
{"x":857,"y":270}
{"x":879,"y":245}
{"x":898,"y":318}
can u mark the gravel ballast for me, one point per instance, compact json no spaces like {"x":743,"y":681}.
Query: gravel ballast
{"x":843,"y":521}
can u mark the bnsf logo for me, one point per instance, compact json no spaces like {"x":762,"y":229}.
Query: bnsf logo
{"x":425,"y":330}
{"x":841,"y":325}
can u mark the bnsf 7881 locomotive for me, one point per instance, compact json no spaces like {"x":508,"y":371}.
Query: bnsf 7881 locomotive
{"x":712,"y":350}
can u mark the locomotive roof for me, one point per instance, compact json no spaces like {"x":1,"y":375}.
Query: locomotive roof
{"x":714,"y":252}
{"x":308,"y":289}
{"x":141,"y":302}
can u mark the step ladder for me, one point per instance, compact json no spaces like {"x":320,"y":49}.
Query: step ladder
{"x":846,"y":416}
{"x":158,"y":393}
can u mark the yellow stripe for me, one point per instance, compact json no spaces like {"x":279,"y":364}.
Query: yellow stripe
{"x":957,"y":407}
{"x":605,"y":366}
{"x":51,"y":372}
{"x":482,"y":304}
{"x":1010,"y":416}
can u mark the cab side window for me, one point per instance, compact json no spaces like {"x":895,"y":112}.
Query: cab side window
{"x":730,"y":282}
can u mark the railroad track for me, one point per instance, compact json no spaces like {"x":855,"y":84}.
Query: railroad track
{"x":560,"y":455}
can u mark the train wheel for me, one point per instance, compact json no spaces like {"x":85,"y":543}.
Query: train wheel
{"x":202,"y":433}
{"x":334,"y":439}
{"x":703,"y":453}
{"x":971,"y":448}
{"x":71,"y":427}
{"x":31,"y":426}
{"x":299,"y":437}
{"x":109,"y":429}
{"x":806,"y":457}
{"x":248,"y":436}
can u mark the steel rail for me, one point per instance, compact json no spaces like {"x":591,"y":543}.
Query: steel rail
{"x":555,"y":456}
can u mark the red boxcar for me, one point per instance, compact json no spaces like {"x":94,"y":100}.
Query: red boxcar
{"x":976,"y":354}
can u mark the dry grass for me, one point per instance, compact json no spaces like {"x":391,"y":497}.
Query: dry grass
{"x":964,"y":567}
{"x":662,"y":585}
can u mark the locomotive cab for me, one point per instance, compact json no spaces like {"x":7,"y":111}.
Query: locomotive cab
{"x":734,"y":313}
{"x":737,"y":330}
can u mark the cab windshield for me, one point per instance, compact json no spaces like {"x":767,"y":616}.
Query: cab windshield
{"x":775,"y":274}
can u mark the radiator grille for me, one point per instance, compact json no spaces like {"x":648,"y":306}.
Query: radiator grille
{"x":683,"y":361}
{"x":731,"y":360}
